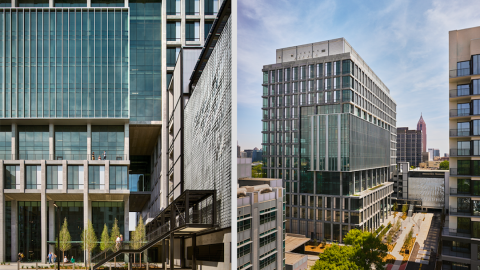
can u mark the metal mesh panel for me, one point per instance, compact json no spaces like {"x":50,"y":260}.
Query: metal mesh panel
{"x":208,"y":128}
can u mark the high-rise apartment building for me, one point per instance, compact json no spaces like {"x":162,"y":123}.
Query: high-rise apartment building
{"x":329,"y":131}
{"x":421,"y":126}
{"x":84,"y":103}
{"x":462,"y":228}
{"x":409,"y":146}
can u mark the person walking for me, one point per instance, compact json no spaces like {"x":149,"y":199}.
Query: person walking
{"x":50,"y":257}
{"x":104,"y":155}
{"x":117,"y":243}
{"x":99,"y":158}
{"x":72,"y":260}
{"x":93,"y":155}
{"x":65,"y":260}
{"x":19,"y":256}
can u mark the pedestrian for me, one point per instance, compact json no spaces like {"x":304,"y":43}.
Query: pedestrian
{"x":99,"y":158}
{"x":19,"y":256}
{"x":50,"y":257}
{"x":117,"y":243}
{"x":72,"y":260}
{"x":93,"y":155}
{"x":65,"y":260}
{"x":104,"y":155}
{"x":54,"y":258}
{"x":121,"y":240}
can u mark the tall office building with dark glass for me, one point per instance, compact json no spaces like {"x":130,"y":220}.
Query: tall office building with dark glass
{"x":83,"y":102}
{"x":460,"y":245}
{"x":329,"y":132}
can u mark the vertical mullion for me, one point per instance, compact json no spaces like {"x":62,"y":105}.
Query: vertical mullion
{"x":3,"y":65}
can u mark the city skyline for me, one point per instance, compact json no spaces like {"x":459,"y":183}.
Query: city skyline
{"x":411,"y":35}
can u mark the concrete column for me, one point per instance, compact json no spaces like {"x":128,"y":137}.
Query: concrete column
{"x":50,"y":3}
{"x":227,"y":239}
{"x":22,"y":176}
{"x":89,"y":3}
{"x":126,"y":151}
{"x":2,"y":215}
{"x":14,"y":130}
{"x":194,"y":246}
{"x":43,"y":212}
{"x":14,"y":224}
{"x":86,"y":203}
{"x":50,"y":136}
{"x":126,"y":218}
{"x":172,"y":251}
{"x":164,"y":255}
{"x":51,"y":221}
{"x":64,"y":177}
{"x":89,"y":129}
{"x":107,"y":176}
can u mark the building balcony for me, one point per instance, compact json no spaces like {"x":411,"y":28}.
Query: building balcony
{"x":459,"y":93}
{"x":456,"y":73}
{"x":455,"y":233}
{"x":461,"y":112}
{"x":466,"y":172}
{"x":456,"y":191}
{"x":464,"y":212}
{"x":446,"y":251}
{"x":464,"y":132}
{"x":462,"y":152}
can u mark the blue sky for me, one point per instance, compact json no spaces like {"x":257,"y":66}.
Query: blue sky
{"x":404,"y":42}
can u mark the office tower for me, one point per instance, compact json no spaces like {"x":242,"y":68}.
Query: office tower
{"x":256,"y":155}
{"x":423,"y":127}
{"x":434,"y":152}
{"x":80,"y":79}
{"x":459,"y":250}
{"x":329,"y":133}
{"x":409,"y":146}
{"x":260,"y":223}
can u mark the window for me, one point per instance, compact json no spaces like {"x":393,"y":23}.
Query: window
{"x":33,"y":142}
{"x":192,"y":7}
{"x":287,"y":74}
{"x":118,"y":178}
{"x":12,"y":177}
{"x":244,"y":250}
{"x":319,"y":70}
{"x":172,"y":54}
{"x":54,"y":177}
{"x":33,"y":3}
{"x":33,"y":177}
{"x":302,"y":73}
{"x":71,"y":142}
{"x":311,"y":71}
{"x":211,"y":7}
{"x":96,"y":177}
{"x":264,"y":218}
{"x":207,"y":27}
{"x":268,"y":239}
{"x":463,"y":68}
{"x":244,"y":225}
{"x":173,"y":7}
{"x":173,"y":31}
{"x":192,"y":31}
{"x":75,"y":177}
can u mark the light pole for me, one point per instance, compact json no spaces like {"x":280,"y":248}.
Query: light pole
{"x":58,"y":235}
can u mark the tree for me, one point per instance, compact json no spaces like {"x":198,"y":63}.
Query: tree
{"x":444,"y":165}
{"x":139,"y":237}
{"x":113,"y":238}
{"x":405,"y":208}
{"x":89,"y":239}
{"x":336,"y":258}
{"x":65,"y":239}
{"x":367,"y":248}
{"x":257,"y":171}
{"x":105,"y":242}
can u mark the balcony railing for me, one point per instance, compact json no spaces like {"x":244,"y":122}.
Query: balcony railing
{"x":461,"y":171}
{"x":453,"y":232}
{"x":458,"y":212}
{"x":459,"y":92}
{"x":448,"y":252}
{"x":460,"y":132}
{"x":460,"y":112}
{"x":62,"y":157}
{"x":455,"y":191}
{"x":461,"y":152}
{"x":454,"y":73}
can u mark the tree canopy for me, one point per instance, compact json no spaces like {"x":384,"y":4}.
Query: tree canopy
{"x":114,"y":234}
{"x":336,"y":258}
{"x":368,"y":249}
{"x":257,"y":171}
{"x":105,"y":242}
{"x":444,"y":165}
{"x":65,"y":239}
{"x":89,"y":239}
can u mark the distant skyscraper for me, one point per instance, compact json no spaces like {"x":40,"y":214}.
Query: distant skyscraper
{"x":423,"y":127}
{"x":409,"y":146}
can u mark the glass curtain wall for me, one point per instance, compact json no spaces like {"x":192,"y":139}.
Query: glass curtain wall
{"x":207,"y":27}
{"x":29,"y":228}
{"x":106,"y":213}
{"x":8,"y":231}
{"x":33,"y":142}
{"x":6,"y":143}
{"x":33,"y":177}
{"x":118,"y":177}
{"x":145,"y":66}
{"x":75,"y":177}
{"x":12,"y":177}
{"x":173,"y":7}
{"x":96,"y":177}
{"x":54,"y":177}
{"x":71,"y":143}
{"x":109,"y":139}
{"x":71,"y":63}
{"x":139,"y":174}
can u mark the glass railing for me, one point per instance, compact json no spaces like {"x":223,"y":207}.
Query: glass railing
{"x":460,"y":152}
{"x":455,"y":232}
{"x":460,"y":132}
{"x":460,"y":112}
{"x":460,"y":171}
{"x":61,"y":157}
{"x":459,"y":72}
{"x":456,"y":191}
{"x":460,"y":92}
{"x":448,"y":252}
